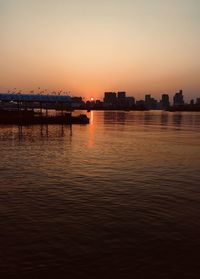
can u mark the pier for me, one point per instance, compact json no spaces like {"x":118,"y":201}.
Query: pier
{"x":35,"y":109}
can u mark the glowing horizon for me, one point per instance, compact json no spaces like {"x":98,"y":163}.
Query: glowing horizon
{"x":89,"y":47}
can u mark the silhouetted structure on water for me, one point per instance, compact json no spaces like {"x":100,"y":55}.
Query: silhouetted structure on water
{"x":111,"y":101}
{"x":25,"y":109}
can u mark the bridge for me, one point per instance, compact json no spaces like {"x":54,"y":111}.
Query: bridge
{"x":34,"y":101}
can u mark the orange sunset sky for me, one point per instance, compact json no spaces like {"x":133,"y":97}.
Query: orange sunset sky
{"x":91,"y":46}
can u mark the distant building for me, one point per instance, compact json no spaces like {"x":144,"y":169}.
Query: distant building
{"x":98,"y":104}
{"x":178,"y":98}
{"x":140,"y":104}
{"x":110,"y":98}
{"x":130,"y":101}
{"x":150,"y":103}
{"x":121,"y":95}
{"x":147,"y":97}
{"x":165,"y":101}
{"x":198,"y":101}
{"x":121,"y":99}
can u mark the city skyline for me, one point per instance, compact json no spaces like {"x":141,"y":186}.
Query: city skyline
{"x":118,"y":100}
{"x":96,"y":46}
{"x":157,"y":97}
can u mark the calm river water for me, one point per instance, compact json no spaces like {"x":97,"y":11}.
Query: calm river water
{"x":119,"y":198}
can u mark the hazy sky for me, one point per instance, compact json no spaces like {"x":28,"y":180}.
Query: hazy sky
{"x":91,"y":46}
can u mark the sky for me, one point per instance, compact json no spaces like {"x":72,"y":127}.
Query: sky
{"x":88,"y":47}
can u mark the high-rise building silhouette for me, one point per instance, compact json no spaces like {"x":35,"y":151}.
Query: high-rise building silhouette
{"x":165,"y":101}
{"x":121,"y":95}
{"x":178,"y":98}
{"x":110,"y":97}
{"x":150,"y":103}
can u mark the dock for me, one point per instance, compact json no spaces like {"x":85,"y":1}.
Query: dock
{"x":28,"y":109}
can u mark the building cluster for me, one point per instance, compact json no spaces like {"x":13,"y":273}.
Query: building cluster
{"x":119,"y":100}
{"x":111,"y":100}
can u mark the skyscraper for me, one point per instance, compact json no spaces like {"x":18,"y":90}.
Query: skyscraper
{"x":178,"y":98}
{"x":165,"y":101}
{"x":110,"y":97}
{"x":121,"y":95}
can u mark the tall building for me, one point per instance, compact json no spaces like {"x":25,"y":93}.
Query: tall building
{"x":150,"y":103}
{"x":121,"y":99}
{"x":178,"y":98}
{"x":110,"y":97}
{"x":165,"y":101}
{"x":121,"y":95}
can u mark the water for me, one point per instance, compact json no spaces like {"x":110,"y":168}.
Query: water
{"x":119,"y":198}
